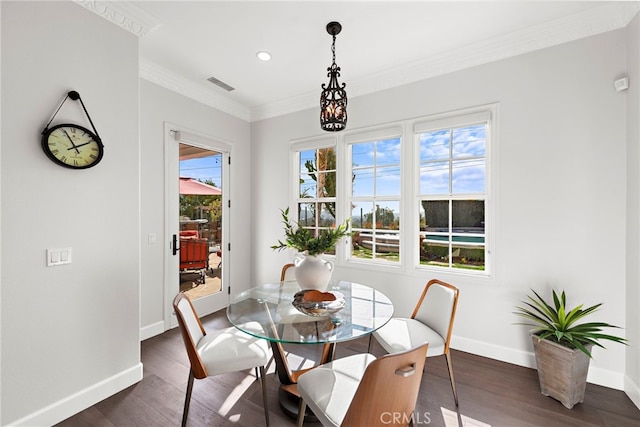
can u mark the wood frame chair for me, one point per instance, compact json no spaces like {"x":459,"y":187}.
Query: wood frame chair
{"x":285,"y":271}
{"x":431,"y":321}
{"x":361,"y":390}
{"x":219,"y":352}
{"x":287,"y":377}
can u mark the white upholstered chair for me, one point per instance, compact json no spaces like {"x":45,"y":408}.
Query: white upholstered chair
{"x":218,"y":352}
{"x":431,"y":321}
{"x":362,"y":391}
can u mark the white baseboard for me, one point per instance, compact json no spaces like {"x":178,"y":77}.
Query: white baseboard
{"x":633,"y":390}
{"x":597,"y":376}
{"x":504,"y":354}
{"x":151,"y":330}
{"x":606,"y":378}
{"x":71,"y":405}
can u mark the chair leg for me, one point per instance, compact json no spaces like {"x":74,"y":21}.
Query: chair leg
{"x":263,"y":381}
{"x":269,"y":363}
{"x":187,"y":398}
{"x":453,"y":382}
{"x":302,"y":408}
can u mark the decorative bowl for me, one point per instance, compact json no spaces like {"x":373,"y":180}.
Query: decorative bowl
{"x":318,"y":308}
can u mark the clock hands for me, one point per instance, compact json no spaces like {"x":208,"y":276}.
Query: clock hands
{"x":72,"y":144}
{"x":78,"y":146}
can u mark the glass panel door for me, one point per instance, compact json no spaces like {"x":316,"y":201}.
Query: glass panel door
{"x":196,"y":182}
{"x":200,"y":209}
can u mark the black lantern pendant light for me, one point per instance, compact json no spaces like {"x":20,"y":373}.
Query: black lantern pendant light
{"x":333,"y":100}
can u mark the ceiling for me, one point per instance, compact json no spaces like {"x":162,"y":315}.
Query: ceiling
{"x":382,"y":44}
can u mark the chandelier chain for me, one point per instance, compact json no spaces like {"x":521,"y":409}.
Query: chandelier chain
{"x":333,"y":49}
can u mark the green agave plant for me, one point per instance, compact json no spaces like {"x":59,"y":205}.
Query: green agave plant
{"x":303,"y":239}
{"x":558,"y":324}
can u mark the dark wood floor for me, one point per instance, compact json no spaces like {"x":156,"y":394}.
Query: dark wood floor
{"x":491,"y":393}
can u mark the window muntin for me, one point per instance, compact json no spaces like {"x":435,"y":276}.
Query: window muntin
{"x":378,"y":231}
{"x":316,"y":203}
{"x":375,"y":200}
{"x":451,"y":172}
{"x":452,"y":197}
{"x":317,"y":173}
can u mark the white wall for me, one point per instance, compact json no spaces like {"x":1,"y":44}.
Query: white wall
{"x":632,"y":379}
{"x":157,"y":106}
{"x":560,"y":194}
{"x":70,"y":334}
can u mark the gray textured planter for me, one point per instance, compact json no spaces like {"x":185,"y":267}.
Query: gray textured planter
{"x":562,"y":371}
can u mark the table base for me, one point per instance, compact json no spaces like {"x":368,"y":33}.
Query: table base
{"x":290,"y":404}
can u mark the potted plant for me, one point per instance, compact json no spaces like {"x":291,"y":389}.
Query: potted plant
{"x":562,"y":346}
{"x":312,"y":271}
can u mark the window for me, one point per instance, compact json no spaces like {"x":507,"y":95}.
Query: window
{"x":452,"y":192}
{"x":375,"y":199}
{"x":316,"y":195}
{"x":418,"y":206}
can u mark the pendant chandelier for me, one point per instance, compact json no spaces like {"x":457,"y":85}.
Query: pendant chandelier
{"x":333,"y":100}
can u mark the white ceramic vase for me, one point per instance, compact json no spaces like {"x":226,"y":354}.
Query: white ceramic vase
{"x":312,"y":272}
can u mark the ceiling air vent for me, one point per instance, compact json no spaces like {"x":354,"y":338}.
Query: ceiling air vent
{"x":221,"y":84}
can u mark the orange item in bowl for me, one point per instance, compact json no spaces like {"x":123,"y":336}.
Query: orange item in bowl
{"x":317,"y":296}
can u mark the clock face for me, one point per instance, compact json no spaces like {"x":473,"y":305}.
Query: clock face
{"x":72,"y":146}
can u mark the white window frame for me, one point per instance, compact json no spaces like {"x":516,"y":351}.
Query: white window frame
{"x":468,"y":117}
{"x":373,"y":135}
{"x":407,"y":130}
{"x":296,"y":148}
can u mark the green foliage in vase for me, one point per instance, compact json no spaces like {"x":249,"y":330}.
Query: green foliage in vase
{"x":304,"y":239}
{"x":557,"y":323}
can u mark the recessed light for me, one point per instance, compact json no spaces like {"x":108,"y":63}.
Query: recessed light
{"x":263,"y":56}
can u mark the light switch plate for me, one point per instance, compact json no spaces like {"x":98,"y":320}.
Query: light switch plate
{"x":58,"y":256}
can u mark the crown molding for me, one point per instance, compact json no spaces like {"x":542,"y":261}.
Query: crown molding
{"x":154,"y":73}
{"x":139,"y":22}
{"x":125,"y":14}
{"x":585,"y":24}
{"x":588,"y":23}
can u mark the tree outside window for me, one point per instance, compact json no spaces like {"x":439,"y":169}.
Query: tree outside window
{"x":316,"y":206}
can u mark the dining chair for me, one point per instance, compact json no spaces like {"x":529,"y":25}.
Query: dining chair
{"x":362,"y":391}
{"x":431,"y":321}
{"x":218,"y":352}
{"x":287,"y":272}
{"x":292,"y":315}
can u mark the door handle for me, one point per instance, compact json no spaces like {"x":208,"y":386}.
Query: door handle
{"x":175,"y":247}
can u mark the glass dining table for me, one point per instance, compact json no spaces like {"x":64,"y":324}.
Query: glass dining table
{"x":267,"y":311}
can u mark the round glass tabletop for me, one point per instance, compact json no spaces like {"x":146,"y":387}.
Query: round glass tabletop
{"x":268,"y":312}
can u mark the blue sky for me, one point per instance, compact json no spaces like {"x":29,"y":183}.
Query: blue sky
{"x":385,"y":157}
{"x":376,"y":167}
{"x":381,"y":159}
{"x":468,"y":165}
{"x":203,"y":168}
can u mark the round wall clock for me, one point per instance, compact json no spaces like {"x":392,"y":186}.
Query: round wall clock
{"x":72,"y":146}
